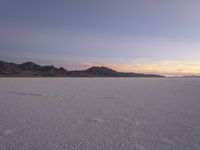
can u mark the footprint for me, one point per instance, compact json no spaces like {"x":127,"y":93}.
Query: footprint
{"x":165,"y":140}
{"x":79,"y":122}
{"x":6,"y":132}
{"x":22,"y":93}
{"x":111,"y":97}
{"x":105,"y":111}
{"x":95,"y":120}
{"x":124,"y":119}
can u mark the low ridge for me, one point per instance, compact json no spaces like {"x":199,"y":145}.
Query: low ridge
{"x":31,"y":69}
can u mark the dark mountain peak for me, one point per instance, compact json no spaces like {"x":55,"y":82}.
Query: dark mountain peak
{"x":62,"y":69}
{"x":8,"y":68}
{"x":2,"y":62}
{"x":101,"y":71}
{"x":29,"y":66}
{"x":28,"y":62}
{"x":6,"y":64}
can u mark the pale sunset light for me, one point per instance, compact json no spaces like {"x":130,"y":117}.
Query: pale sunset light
{"x":147,"y":36}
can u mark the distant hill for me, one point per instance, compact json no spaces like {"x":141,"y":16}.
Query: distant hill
{"x":193,"y":76}
{"x":30,"y":69}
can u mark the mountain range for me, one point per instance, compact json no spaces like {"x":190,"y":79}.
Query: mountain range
{"x":31,"y":69}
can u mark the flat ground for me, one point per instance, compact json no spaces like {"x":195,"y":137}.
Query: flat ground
{"x":99,"y":114}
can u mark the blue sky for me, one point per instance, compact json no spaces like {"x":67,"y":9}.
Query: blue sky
{"x":76,"y":34}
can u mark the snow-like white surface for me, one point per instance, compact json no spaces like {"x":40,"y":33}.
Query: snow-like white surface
{"x":99,"y":114}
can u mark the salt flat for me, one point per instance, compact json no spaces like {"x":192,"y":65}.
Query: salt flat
{"x":99,"y":114}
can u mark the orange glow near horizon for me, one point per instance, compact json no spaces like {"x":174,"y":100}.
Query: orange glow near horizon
{"x":167,"y":68}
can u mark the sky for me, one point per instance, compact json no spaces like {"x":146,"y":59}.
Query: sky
{"x":146,"y":36}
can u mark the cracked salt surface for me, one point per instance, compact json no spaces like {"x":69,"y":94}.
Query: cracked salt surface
{"x":99,"y":114}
